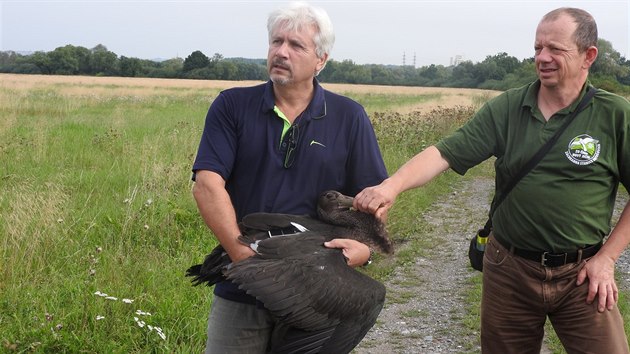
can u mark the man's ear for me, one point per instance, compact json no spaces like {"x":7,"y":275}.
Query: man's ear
{"x":321,"y":63}
{"x":591,"y":55}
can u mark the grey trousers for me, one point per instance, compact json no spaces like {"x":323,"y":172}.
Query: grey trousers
{"x":234,"y":327}
{"x":518,"y":297}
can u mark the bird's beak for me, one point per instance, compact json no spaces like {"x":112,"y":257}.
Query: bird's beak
{"x":344,"y":201}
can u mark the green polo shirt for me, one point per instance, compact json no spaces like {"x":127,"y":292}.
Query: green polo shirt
{"x":567,"y":200}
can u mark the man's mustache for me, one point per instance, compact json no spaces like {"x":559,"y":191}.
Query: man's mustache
{"x":282,"y":64}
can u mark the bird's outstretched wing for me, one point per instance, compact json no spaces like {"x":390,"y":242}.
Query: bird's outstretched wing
{"x":255,"y":227}
{"x":308,"y":286}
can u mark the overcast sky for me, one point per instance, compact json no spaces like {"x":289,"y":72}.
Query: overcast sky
{"x":367,"y":32}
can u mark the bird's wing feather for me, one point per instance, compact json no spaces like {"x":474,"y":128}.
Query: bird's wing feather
{"x":211,"y":271}
{"x":348,"y":335}
{"x":290,"y":340}
{"x":305,"y":284}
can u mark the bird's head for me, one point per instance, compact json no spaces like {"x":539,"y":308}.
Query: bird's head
{"x":336,"y":208}
{"x":333,"y":201}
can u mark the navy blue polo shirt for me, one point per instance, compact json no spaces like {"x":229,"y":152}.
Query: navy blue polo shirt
{"x":245,"y":141}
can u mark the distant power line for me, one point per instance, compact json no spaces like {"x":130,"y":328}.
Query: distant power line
{"x":404,"y":59}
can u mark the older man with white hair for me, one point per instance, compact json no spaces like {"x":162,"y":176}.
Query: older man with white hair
{"x":274,"y":148}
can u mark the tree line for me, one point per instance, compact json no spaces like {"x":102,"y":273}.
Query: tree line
{"x":501,"y":71}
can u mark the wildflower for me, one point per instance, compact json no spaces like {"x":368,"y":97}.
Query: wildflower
{"x":158,"y":330}
{"x":146,"y":227}
{"x":98,"y":293}
{"x":139,"y":322}
{"x":148,"y":202}
{"x":99,"y":317}
{"x":49,"y":317}
{"x":127,"y":301}
{"x":113,"y":298}
{"x":92,"y":272}
{"x":93,"y":259}
{"x":99,"y":249}
{"x":142,"y":313}
{"x":160,"y":333}
{"x":58,"y":327}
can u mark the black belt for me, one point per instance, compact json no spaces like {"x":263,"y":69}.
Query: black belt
{"x":549,"y":259}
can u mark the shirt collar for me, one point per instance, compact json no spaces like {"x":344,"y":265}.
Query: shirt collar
{"x":531,"y":97}
{"x":315,"y":110}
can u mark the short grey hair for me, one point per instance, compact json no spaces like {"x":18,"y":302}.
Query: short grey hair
{"x":300,"y":14}
{"x":585,"y":34}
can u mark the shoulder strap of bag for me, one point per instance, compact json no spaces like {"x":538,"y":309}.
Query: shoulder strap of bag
{"x":537,"y":157}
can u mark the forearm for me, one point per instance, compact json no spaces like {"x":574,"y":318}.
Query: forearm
{"x":218,"y":213}
{"x":418,"y":171}
{"x":619,"y":237}
{"x":600,"y":269}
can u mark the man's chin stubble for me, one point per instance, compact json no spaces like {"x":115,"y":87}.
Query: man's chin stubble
{"x":280,"y":80}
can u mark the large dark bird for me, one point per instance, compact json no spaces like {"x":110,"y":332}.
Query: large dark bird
{"x":321,"y":304}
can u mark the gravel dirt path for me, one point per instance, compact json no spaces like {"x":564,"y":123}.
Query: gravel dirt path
{"x":425,"y":302}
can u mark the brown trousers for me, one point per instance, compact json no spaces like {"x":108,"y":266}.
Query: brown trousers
{"x":519,"y":295}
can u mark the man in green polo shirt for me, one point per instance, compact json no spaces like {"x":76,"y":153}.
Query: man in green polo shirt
{"x":560,"y":210}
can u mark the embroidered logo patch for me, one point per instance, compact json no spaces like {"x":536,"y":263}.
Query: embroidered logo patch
{"x":583,"y":150}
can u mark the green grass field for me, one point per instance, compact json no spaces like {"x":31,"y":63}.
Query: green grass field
{"x":95,"y":197}
{"x":97,"y":220}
